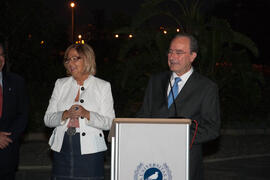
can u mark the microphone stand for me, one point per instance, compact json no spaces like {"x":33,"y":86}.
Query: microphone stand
{"x":174,"y":104}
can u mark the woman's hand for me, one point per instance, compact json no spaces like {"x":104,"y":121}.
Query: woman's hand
{"x":76,"y":111}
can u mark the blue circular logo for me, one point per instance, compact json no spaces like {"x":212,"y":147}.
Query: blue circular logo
{"x":153,"y":174}
{"x":152,"y":171}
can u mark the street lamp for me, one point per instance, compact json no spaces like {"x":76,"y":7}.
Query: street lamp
{"x":72,"y":5}
{"x":80,"y":39}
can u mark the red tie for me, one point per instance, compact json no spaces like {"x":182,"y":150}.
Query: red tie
{"x":1,"y":100}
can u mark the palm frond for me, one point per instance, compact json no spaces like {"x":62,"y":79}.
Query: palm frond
{"x":245,"y":41}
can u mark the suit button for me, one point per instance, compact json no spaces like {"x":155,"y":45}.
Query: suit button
{"x":100,"y":134}
{"x":83,"y":134}
{"x":81,"y":100}
{"x":82,"y":88}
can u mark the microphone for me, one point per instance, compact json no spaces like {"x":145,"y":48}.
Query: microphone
{"x":181,"y":117}
{"x":174,"y":104}
{"x":176,"y":116}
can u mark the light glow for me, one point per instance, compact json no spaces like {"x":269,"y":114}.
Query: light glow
{"x":72,"y":4}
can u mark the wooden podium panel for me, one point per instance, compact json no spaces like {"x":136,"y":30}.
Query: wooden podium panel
{"x":150,"y":149}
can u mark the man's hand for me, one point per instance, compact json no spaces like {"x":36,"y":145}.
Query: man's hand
{"x":4,"y":139}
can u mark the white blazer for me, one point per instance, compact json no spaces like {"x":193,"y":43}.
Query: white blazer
{"x":96,"y":97}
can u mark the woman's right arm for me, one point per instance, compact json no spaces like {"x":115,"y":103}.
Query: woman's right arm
{"x":53,"y":117}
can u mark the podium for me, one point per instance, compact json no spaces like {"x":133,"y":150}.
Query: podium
{"x":149,"y":149}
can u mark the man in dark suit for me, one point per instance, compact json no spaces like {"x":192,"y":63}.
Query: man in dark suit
{"x":183,"y":92}
{"x":13,"y":119}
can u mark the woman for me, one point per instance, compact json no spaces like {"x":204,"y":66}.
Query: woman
{"x":81,"y":106}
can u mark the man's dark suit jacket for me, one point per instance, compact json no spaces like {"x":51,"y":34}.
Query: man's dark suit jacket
{"x":14,"y":119}
{"x":198,"y":100}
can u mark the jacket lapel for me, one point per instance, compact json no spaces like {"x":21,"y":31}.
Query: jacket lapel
{"x":186,"y":89}
{"x":165,"y":85}
{"x":6,"y":89}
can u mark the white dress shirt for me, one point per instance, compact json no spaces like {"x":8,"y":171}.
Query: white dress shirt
{"x":181,"y":83}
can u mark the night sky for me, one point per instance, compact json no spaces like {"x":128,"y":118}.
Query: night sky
{"x":84,"y":8}
{"x":245,"y":16}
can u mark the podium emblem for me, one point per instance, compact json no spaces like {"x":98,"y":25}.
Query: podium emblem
{"x":152,"y":171}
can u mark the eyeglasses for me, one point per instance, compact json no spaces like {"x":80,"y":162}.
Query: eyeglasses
{"x":74,"y":58}
{"x":177,"y":52}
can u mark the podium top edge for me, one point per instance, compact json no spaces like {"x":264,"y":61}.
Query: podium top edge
{"x":153,"y":120}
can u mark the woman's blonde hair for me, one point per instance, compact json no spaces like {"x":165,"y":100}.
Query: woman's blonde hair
{"x":87,"y":54}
